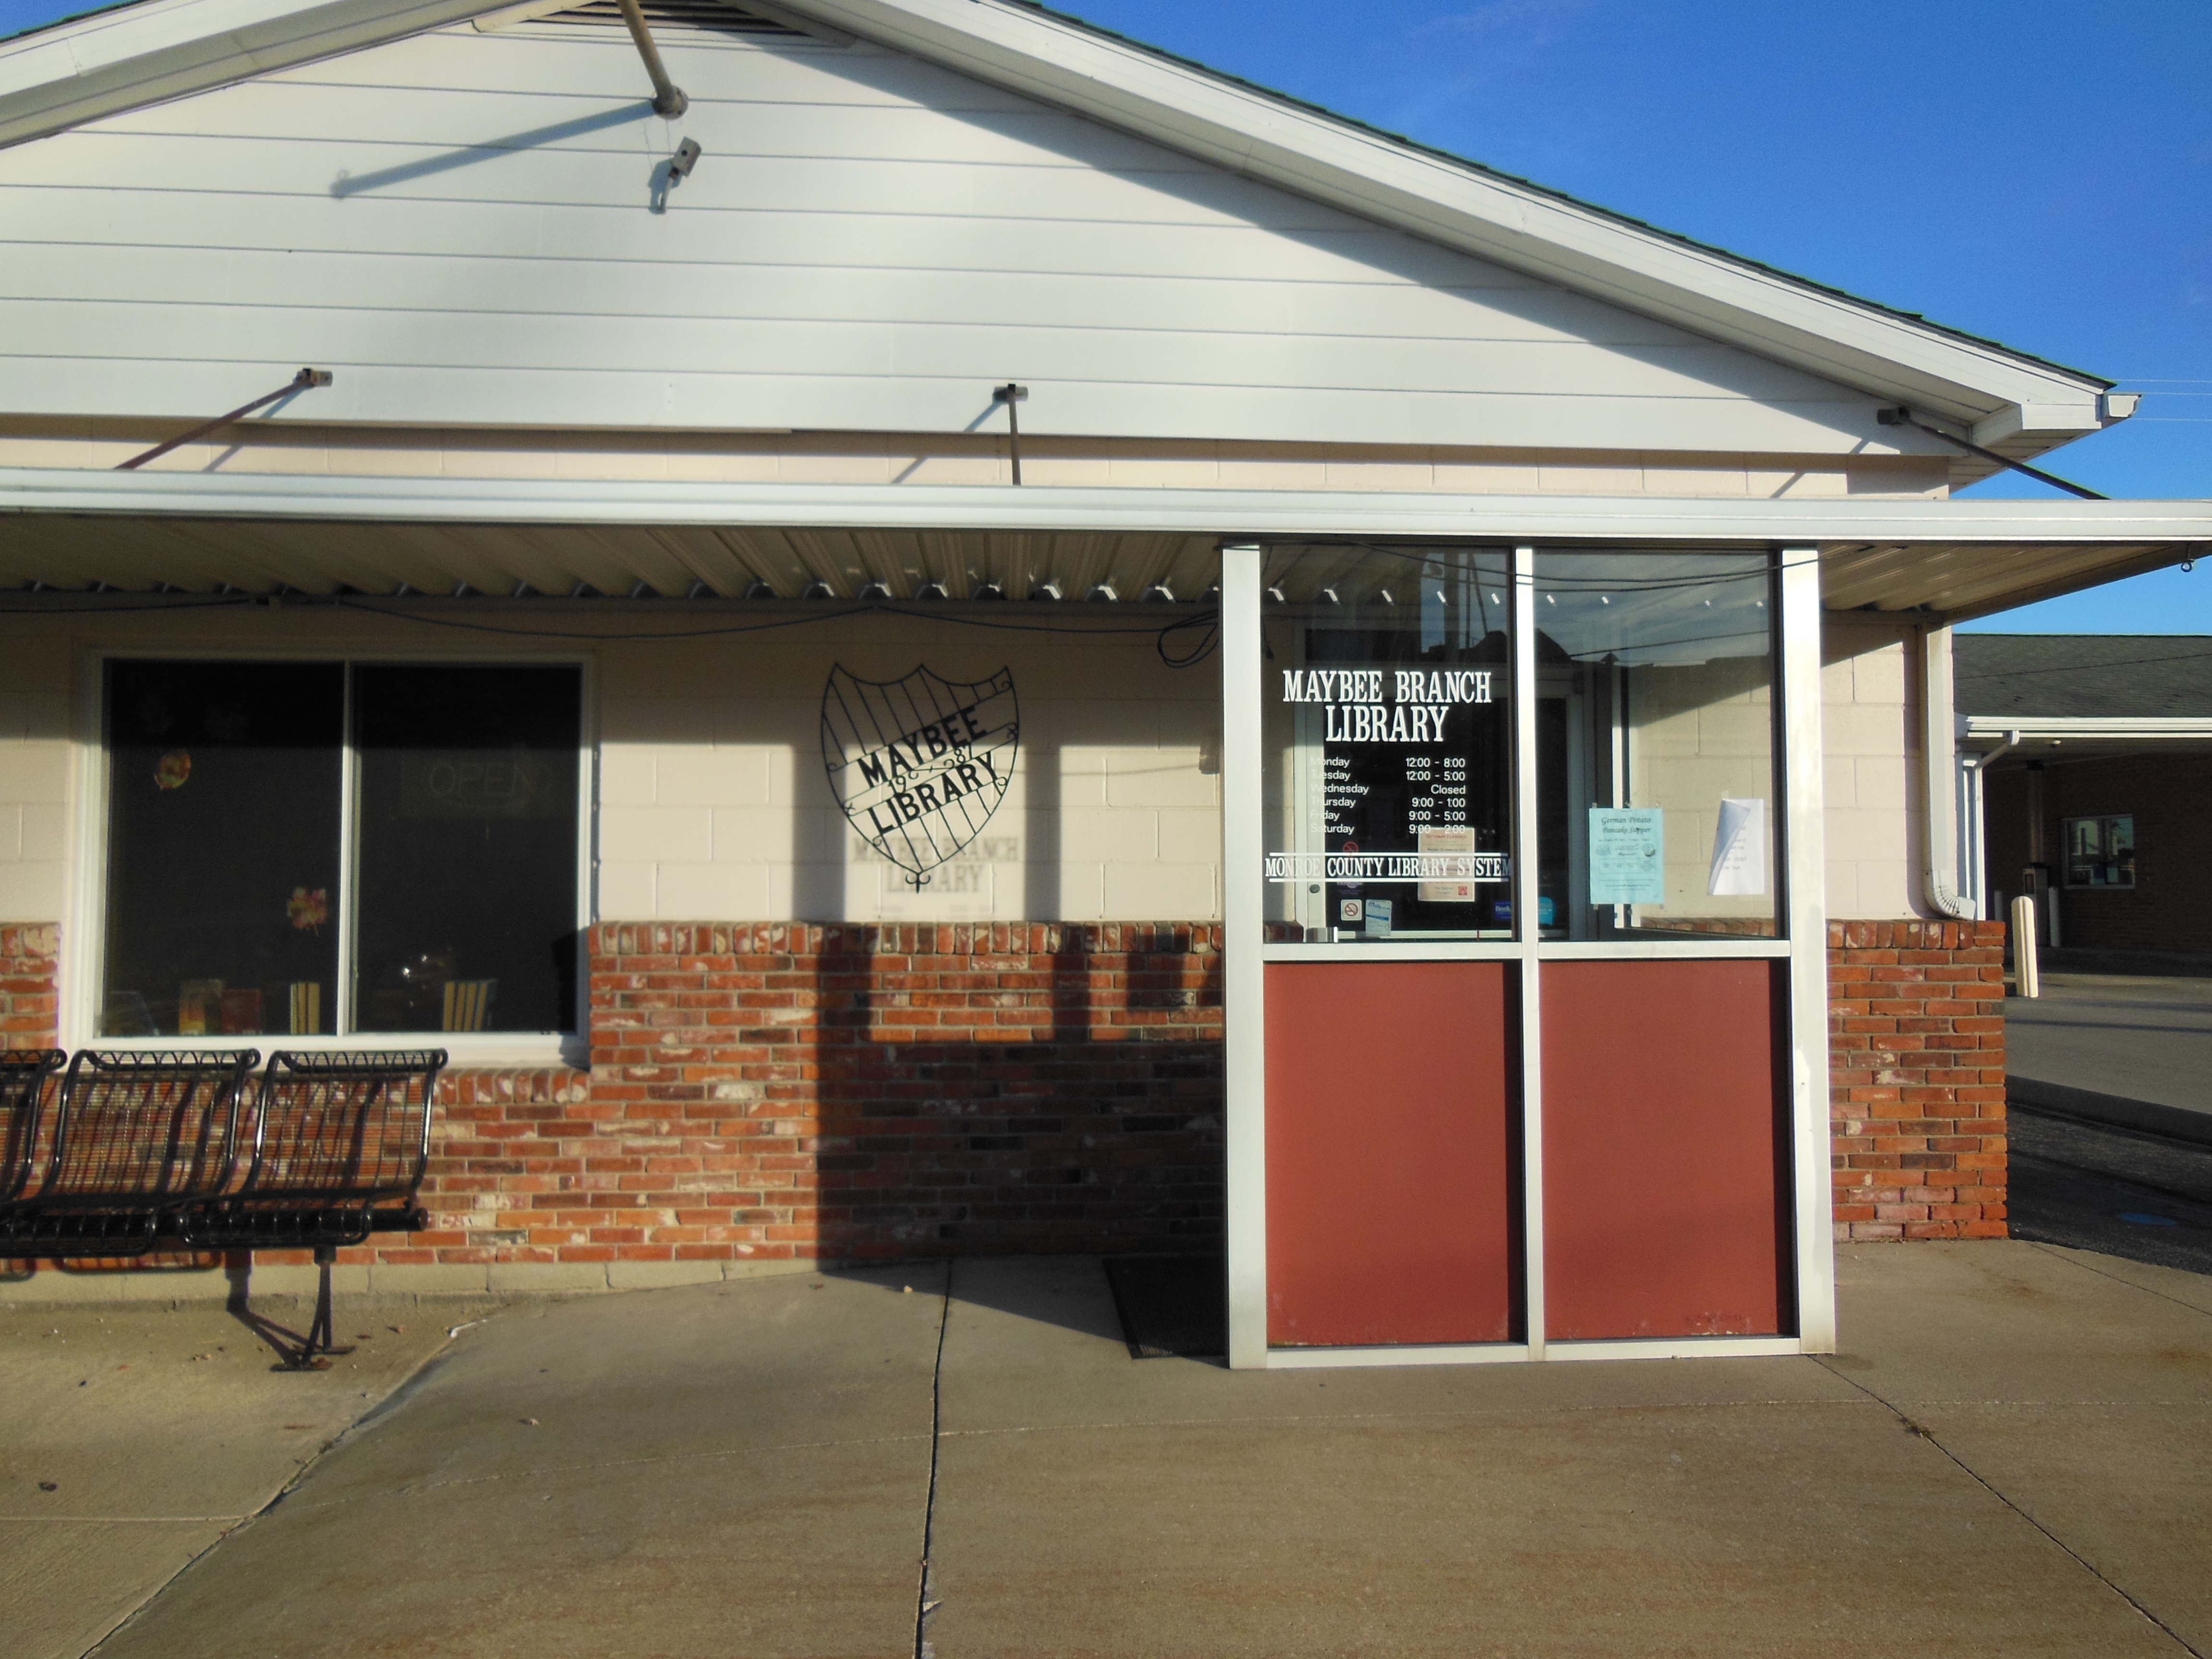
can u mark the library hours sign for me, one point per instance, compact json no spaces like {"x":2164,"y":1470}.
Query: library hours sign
{"x":1394,"y":747}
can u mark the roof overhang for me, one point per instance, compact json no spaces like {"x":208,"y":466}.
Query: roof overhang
{"x":133,"y":56}
{"x":73,"y":530}
{"x":2006,"y":400}
{"x":2014,"y":739}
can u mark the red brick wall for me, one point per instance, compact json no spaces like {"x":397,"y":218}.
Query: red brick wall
{"x":760,"y":1091}
{"x":30,"y":994}
{"x":1916,"y":1018}
{"x":765,"y":1092}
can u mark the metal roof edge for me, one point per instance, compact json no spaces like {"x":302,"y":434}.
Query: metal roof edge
{"x":1625,"y":520}
{"x":2086,"y":725}
{"x":128,"y":57}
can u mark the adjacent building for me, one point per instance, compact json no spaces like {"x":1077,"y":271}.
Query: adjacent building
{"x":2091,"y":786}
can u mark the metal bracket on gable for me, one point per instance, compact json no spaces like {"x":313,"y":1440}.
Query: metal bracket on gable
{"x":306,"y":380}
{"x":1901,"y":415}
{"x":668,"y":99}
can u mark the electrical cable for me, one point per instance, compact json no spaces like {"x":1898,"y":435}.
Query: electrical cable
{"x":1162,"y":633}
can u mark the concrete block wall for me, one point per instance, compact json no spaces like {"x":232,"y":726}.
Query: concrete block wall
{"x":712,"y":799}
{"x":711,"y":796}
{"x":1870,"y":749}
{"x":1699,"y":732}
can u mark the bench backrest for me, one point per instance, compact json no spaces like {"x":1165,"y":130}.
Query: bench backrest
{"x":144,"y":1127}
{"x":23,"y":1076}
{"x":354,"y":1126}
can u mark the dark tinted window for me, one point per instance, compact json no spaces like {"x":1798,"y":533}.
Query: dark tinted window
{"x":223,"y":847}
{"x":468,"y":848}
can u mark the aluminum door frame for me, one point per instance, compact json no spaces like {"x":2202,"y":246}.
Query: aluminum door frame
{"x":1800,"y":869}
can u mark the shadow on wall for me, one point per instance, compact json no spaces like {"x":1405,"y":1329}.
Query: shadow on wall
{"x":780,"y":1092}
{"x":1100,"y":1133}
{"x":772,"y":1091}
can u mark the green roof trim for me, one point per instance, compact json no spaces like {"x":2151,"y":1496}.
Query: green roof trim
{"x":1629,"y":220}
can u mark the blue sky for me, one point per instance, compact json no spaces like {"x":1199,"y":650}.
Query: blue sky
{"x":2034,"y":171}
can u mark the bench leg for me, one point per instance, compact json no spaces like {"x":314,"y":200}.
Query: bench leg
{"x":314,"y":1353}
{"x":321,"y":1336}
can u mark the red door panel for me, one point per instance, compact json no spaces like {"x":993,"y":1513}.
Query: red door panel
{"x":1666,"y":1166}
{"x":1392,"y":1174}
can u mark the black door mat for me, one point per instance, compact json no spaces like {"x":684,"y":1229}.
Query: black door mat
{"x":1171,"y":1306}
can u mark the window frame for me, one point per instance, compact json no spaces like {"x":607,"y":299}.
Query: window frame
{"x":1788,"y":815}
{"x":84,"y":969}
{"x":2066,"y":857}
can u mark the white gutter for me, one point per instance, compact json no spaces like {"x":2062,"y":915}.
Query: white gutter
{"x":1628,"y":520}
{"x":1983,"y":757}
{"x":1941,"y":842}
{"x":2149,"y":728}
{"x":1974,"y":770}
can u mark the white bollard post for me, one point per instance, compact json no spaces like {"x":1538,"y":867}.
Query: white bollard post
{"x":2023,"y":947}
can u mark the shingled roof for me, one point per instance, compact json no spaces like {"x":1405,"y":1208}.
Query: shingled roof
{"x":2082,"y":676}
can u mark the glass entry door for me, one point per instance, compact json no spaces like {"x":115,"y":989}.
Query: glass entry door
{"x":1527,"y":987}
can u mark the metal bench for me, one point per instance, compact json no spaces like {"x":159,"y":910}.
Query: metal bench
{"x":340,"y":1144}
{"x":137,"y":1139}
{"x":147,"y":1146}
{"x":24,"y":1073}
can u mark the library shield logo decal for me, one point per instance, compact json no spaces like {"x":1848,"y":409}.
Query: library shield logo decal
{"x":919,"y":763}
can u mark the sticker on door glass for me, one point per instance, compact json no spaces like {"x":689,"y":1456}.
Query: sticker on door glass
{"x":1627,"y":855}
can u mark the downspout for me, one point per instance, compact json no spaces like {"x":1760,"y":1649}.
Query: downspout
{"x":1939,"y":754}
{"x":1977,"y":801}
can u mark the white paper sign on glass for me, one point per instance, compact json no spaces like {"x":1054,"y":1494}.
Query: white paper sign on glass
{"x":1435,"y":839}
{"x":1627,"y":855}
{"x":1739,"y":849}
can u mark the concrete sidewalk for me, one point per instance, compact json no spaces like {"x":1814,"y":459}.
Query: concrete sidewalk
{"x":2013,"y":1456}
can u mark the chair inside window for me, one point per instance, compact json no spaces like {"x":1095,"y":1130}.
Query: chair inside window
{"x":468,"y":1003}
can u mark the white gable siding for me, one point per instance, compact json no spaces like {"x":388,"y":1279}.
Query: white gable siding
{"x":459,"y":225}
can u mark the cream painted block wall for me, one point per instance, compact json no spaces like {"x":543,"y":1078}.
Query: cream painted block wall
{"x":714,"y":802}
{"x":1699,"y":733}
{"x":712,"y":799}
{"x":34,"y":779}
{"x":1870,"y":723}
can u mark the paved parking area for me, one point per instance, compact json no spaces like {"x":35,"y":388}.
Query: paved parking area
{"x":2112,"y":1190}
{"x":2124,"y":1038}
{"x":2012,"y":1455}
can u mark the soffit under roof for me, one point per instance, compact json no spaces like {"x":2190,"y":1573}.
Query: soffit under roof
{"x":76,"y":553}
